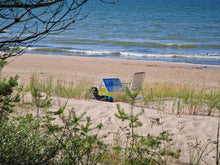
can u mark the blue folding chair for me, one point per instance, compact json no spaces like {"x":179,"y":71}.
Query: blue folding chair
{"x":110,"y":85}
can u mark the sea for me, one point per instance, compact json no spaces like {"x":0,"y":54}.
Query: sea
{"x":183,"y":31}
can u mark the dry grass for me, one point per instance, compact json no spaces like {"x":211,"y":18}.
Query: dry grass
{"x":168,"y":97}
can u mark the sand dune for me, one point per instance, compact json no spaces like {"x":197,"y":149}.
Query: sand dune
{"x":189,"y":133}
{"x":186,"y":132}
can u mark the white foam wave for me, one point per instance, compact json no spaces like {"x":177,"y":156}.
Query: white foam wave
{"x":133,"y":54}
{"x":29,"y":48}
{"x":199,"y":56}
{"x":92,"y":52}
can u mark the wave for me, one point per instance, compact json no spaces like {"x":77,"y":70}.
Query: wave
{"x":192,"y":56}
{"x":214,"y":46}
{"x":125,"y":54}
{"x":142,"y":44}
{"x":134,"y":43}
{"x":95,"y":52}
{"x":83,"y":52}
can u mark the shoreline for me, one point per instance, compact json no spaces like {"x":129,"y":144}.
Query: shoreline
{"x":122,"y":58}
{"x":93,"y":69}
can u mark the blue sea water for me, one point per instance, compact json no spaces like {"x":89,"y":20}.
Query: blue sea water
{"x":185,"y":31}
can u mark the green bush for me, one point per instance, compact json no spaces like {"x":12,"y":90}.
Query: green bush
{"x":7,"y":96}
{"x":23,"y":141}
{"x":139,"y":149}
{"x":81,"y":142}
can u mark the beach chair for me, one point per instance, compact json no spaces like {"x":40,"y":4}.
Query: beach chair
{"x":136,"y":82}
{"x":110,"y":85}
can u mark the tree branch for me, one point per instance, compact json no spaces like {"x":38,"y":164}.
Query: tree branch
{"x":25,"y":5}
{"x":25,"y":22}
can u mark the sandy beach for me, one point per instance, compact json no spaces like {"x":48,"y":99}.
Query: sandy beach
{"x":94,"y":69}
{"x":186,"y":132}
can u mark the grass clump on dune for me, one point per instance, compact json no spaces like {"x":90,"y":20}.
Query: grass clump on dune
{"x":174,"y":97}
{"x":183,"y":98}
{"x":179,"y":98}
{"x":59,"y":88}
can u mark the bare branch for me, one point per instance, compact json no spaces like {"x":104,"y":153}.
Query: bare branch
{"x":26,"y":5}
{"x":24,"y":22}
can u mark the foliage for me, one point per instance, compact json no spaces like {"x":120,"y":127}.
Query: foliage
{"x":2,"y":64}
{"x":212,"y":99}
{"x":23,"y":141}
{"x":81,"y":142}
{"x":35,"y":140}
{"x":133,"y":119}
{"x":61,"y":88}
{"x":7,"y":97}
{"x":185,"y":98}
{"x":39,"y":101}
{"x":141,"y":150}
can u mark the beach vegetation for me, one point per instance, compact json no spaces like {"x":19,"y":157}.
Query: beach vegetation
{"x":38,"y":138}
{"x":23,"y":141}
{"x":34,"y":138}
{"x":141,"y":149}
{"x":8,"y":97}
{"x":182,"y":98}
{"x":59,"y":88}
{"x":80,"y":145}
{"x":176,"y":98}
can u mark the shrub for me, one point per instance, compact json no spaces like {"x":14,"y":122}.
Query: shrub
{"x":140,"y":149}
{"x":23,"y":141}
{"x":7,"y":96}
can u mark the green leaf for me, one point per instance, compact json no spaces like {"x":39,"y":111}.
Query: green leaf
{"x":99,"y":126}
{"x":2,"y":64}
{"x":135,"y":94}
{"x":128,"y":93}
{"x":60,"y":111}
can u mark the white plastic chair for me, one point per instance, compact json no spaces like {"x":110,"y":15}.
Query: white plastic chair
{"x":136,"y":82}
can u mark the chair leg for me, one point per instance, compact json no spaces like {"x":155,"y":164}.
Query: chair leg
{"x":151,"y":92}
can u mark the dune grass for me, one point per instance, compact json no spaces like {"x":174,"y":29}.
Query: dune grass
{"x":176,"y":98}
{"x":183,"y":98}
{"x":59,"y":88}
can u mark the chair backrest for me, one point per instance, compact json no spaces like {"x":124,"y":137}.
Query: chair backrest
{"x":137,"y":80}
{"x":112,"y":84}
